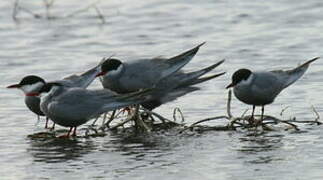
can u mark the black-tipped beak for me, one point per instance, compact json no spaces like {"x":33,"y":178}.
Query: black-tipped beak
{"x":14,"y":86}
{"x":101,"y":74}
{"x":230,"y":85}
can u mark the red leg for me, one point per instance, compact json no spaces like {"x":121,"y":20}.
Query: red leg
{"x":126,"y":109}
{"x":66,"y":135}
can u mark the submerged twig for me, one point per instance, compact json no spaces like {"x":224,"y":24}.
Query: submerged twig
{"x":107,"y":124}
{"x":177,"y":110}
{"x":244,"y":121}
{"x":147,"y":121}
{"x":283,"y":110}
{"x":120,"y":124}
{"x":317,"y":115}
{"x":99,"y":14}
{"x":48,"y":5}
{"x":201,"y":121}
{"x":15,"y":10}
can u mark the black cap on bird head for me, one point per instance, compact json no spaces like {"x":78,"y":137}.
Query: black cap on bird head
{"x":110,"y":64}
{"x":28,"y":80}
{"x":238,"y":76}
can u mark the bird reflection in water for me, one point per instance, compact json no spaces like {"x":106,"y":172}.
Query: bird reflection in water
{"x":261,"y":149}
{"x":59,"y":150}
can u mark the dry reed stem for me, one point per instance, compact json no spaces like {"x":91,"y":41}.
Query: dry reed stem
{"x":180,"y":113}
{"x":48,"y":5}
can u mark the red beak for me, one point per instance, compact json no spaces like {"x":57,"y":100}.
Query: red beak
{"x":14,"y":86}
{"x":229,"y":86}
{"x":101,"y":74}
{"x":32,"y":94}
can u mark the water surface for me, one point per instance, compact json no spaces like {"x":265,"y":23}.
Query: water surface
{"x":258,"y":35}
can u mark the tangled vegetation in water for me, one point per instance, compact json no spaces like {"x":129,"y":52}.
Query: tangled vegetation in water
{"x":141,"y":121}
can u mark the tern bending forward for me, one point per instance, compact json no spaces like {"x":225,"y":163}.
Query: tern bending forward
{"x":164,"y":75}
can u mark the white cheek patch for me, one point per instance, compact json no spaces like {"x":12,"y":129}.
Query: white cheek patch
{"x":115,"y":72}
{"x":246,"y":82}
{"x":31,"y":87}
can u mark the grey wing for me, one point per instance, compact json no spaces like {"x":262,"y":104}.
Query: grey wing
{"x":290,"y":76}
{"x":140,"y":74}
{"x":147,"y":72}
{"x":267,"y":85}
{"x":78,"y":103}
{"x":75,"y":103}
{"x":172,"y":65}
{"x":195,"y":77}
{"x":177,"y":85}
{"x":83,"y":80}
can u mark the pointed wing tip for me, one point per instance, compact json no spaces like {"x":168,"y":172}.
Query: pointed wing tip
{"x":309,"y":61}
{"x":218,"y":63}
{"x":220,"y":74}
{"x":201,"y":44}
{"x":222,"y":61}
{"x":206,"y":78}
{"x":194,"y":50}
{"x":314,"y":59}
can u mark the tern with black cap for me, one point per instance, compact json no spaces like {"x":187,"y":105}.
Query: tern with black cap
{"x":31,"y":85}
{"x":124,"y":77}
{"x":71,"y":107}
{"x":164,"y":75}
{"x":262,"y":87}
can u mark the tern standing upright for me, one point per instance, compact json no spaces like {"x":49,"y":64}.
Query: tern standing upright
{"x":262,"y":87}
{"x":31,"y":85}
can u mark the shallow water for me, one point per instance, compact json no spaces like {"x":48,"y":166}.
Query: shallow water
{"x":258,"y":35}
